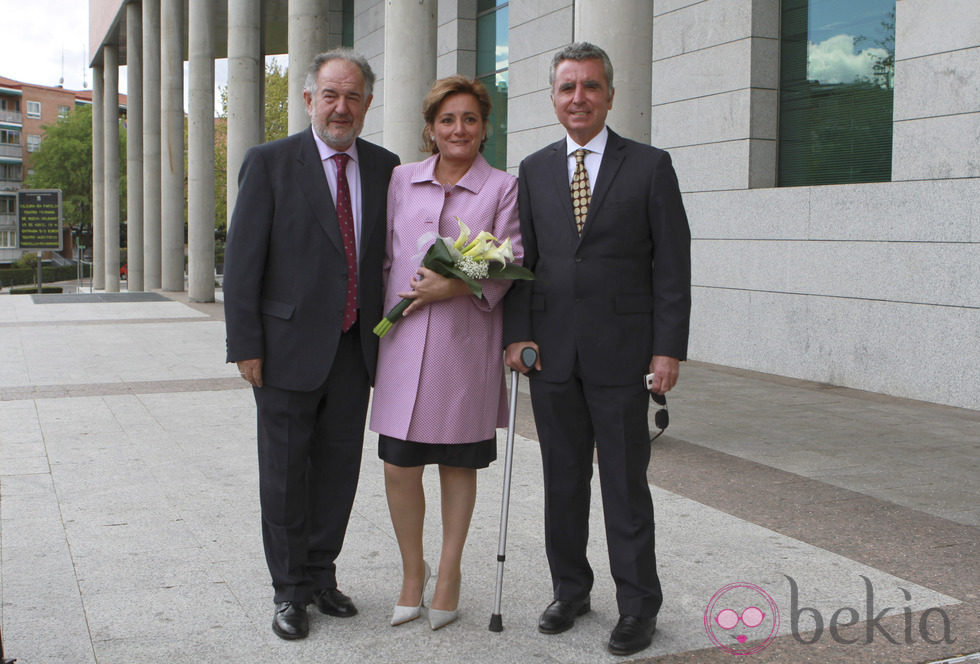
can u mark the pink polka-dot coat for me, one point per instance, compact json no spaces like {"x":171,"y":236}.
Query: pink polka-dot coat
{"x":440,"y":369}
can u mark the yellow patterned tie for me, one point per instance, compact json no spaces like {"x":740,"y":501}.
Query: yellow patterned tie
{"x":580,"y":189}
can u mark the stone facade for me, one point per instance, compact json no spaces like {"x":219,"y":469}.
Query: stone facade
{"x":872,"y":286}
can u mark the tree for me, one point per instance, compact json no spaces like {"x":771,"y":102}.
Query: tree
{"x":64,"y":162}
{"x":276,"y":105}
{"x":276,"y":126}
{"x":276,"y":101}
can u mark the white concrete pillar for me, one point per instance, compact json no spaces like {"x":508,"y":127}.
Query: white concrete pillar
{"x":151,"y":144}
{"x":98,"y":179}
{"x":624,"y":30}
{"x":246,"y":73}
{"x":172,"y":145}
{"x":410,"y":69}
{"x":308,"y":29}
{"x":200,"y":153}
{"x":110,"y":135}
{"x":134,"y":147}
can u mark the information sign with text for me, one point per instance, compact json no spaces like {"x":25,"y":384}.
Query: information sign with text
{"x":39,"y":219}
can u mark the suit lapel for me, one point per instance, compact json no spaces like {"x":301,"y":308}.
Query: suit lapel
{"x":372,"y":196}
{"x":612,"y":159}
{"x":559,"y":173}
{"x":313,"y":183}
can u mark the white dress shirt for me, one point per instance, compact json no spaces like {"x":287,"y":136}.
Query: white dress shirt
{"x":592,"y":160}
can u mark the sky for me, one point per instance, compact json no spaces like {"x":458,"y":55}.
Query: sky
{"x":37,"y":33}
{"x":837,"y":53}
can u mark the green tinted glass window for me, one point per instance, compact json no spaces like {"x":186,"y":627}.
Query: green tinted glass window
{"x":492,"y":62}
{"x":836,"y":91}
{"x":491,"y":42}
{"x":495,"y":149}
{"x":485,"y":5}
{"x":347,"y":24}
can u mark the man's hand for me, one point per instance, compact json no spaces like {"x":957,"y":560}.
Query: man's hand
{"x":512,"y":356}
{"x":251,"y":371}
{"x":665,"y":371}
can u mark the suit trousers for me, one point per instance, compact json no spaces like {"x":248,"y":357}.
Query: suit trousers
{"x":575,"y":418}
{"x":309,"y":446}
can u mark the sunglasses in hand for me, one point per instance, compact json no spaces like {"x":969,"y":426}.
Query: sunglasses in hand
{"x":661,"y":419}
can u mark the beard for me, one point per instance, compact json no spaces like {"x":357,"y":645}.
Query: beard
{"x":338,"y":138}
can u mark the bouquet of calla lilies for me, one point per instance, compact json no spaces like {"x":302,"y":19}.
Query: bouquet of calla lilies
{"x":483,"y":257}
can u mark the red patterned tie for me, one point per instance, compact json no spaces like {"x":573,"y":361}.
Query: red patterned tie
{"x":345,"y":217}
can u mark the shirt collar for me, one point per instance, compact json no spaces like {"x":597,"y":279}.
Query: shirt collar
{"x":597,"y":144}
{"x":326,"y":152}
{"x":473,"y":180}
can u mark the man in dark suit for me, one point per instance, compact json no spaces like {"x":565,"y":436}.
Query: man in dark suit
{"x":606,"y":234}
{"x":302,"y":291}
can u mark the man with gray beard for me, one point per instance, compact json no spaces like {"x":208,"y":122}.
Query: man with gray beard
{"x":302,"y":291}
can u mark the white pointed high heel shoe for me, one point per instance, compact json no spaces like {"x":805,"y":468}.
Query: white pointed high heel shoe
{"x":404,"y":614}
{"x":439,"y":619}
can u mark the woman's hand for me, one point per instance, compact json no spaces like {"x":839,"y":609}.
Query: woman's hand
{"x":428,"y":287}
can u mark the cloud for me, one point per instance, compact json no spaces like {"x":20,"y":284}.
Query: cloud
{"x":834,"y":60}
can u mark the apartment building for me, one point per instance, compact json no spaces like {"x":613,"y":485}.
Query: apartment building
{"x":25,"y":109}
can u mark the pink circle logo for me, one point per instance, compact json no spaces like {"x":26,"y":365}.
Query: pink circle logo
{"x":741,"y":619}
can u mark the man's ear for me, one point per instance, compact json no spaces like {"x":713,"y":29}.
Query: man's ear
{"x":308,"y":98}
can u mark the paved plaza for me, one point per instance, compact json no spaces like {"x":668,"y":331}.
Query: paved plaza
{"x":130,"y":520}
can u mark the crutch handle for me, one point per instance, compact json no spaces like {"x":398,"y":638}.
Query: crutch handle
{"x":529,"y":356}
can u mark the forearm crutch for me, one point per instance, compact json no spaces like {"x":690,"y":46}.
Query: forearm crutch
{"x":528,"y":356}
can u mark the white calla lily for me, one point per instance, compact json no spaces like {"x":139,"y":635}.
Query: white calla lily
{"x":503,"y":253}
{"x":464,"y":235}
{"x":479,"y":245}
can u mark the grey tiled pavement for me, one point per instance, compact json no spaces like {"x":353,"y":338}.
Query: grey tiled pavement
{"x":130,"y":526}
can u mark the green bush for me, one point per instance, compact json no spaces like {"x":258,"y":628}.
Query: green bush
{"x":22,"y":275}
{"x":27,"y":260}
{"x":30,"y":290}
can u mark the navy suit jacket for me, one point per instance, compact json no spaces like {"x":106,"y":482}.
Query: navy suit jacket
{"x":285,"y":276}
{"x":621,"y":292}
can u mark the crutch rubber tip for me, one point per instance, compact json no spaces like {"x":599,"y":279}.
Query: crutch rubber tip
{"x":496,"y":623}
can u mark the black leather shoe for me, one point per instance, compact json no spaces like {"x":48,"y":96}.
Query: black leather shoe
{"x":334,"y":603}
{"x":632,"y":634}
{"x":560,"y":615}
{"x":290,"y":621}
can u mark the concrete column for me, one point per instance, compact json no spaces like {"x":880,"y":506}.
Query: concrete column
{"x":624,"y":30}
{"x":246,"y":73}
{"x":308,"y":28}
{"x":172,"y":145}
{"x":110,"y":135}
{"x":134,"y":147}
{"x":200,"y":153}
{"x":410,"y":68}
{"x":151,"y":144}
{"x":98,"y":179}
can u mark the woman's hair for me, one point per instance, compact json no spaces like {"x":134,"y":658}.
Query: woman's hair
{"x":439,"y":92}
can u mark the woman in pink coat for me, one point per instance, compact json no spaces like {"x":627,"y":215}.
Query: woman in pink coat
{"x":439,"y":390}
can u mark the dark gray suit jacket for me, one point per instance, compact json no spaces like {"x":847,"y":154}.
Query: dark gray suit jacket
{"x":622,"y":292}
{"x":285,"y":275}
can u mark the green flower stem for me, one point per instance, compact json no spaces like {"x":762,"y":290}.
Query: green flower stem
{"x":392,"y":317}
